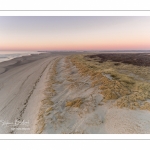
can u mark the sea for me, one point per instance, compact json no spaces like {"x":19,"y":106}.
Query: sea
{"x":8,"y":55}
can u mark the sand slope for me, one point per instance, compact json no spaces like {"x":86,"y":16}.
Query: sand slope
{"x":48,"y":93}
{"x":78,"y":108}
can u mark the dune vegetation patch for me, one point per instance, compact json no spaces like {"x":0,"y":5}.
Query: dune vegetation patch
{"x":46,"y":104}
{"x":67,"y":62}
{"x":126,"y":90}
{"x":73,"y":82}
{"x":145,"y":106}
{"x":40,"y":125}
{"x":48,"y":110}
{"x":74,"y":103}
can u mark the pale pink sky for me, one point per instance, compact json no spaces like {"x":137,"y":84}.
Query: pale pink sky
{"x":74,"y":33}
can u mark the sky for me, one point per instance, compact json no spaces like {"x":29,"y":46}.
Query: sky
{"x":74,"y":33}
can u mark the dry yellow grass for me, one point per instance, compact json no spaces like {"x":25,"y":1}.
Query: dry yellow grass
{"x":67,"y":63}
{"x":40,"y":122}
{"x":47,"y":103}
{"x":73,"y":86}
{"x":128,"y":91}
{"x":40,"y":127}
{"x":146,"y":106}
{"x":70,"y":79}
{"x":48,"y":111}
{"x":74,"y":103}
{"x":73,"y":82}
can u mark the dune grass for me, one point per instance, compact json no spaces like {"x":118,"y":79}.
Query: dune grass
{"x":74,"y":103}
{"x":46,"y":104}
{"x":126,"y":90}
{"x":146,"y":106}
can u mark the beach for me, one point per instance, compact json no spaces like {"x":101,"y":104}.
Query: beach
{"x":50,"y":93}
{"x":21,"y":87}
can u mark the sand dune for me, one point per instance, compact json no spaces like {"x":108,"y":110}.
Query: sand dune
{"x":77,"y":107}
{"x":46,"y":94}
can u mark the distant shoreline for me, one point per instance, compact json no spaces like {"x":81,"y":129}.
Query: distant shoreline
{"x":9,"y":55}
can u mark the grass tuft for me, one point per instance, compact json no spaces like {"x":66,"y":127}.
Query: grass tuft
{"x":74,"y":103}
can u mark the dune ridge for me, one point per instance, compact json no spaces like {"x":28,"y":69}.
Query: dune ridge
{"x":84,"y":101}
{"x":70,"y":93}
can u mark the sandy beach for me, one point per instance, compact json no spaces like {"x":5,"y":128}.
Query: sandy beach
{"x":21,"y":86}
{"x":45,"y":93}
